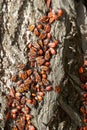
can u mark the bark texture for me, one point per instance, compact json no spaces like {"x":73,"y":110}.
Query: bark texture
{"x":57,"y":111}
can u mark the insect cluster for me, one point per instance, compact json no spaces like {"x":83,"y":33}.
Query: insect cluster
{"x":33,"y":77}
{"x":83,"y":109}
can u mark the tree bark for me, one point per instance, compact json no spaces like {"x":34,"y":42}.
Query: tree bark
{"x":58,"y":111}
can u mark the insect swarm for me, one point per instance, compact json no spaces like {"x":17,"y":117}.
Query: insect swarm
{"x":83,"y":109}
{"x":33,"y":77}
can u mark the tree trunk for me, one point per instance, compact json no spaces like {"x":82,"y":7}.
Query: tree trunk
{"x":58,"y":110}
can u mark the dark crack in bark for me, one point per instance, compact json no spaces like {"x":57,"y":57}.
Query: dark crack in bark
{"x":20,"y":22}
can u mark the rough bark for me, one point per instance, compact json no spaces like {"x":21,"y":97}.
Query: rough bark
{"x":57,"y":111}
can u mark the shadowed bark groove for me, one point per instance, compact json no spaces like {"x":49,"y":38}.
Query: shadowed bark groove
{"x":19,"y":21}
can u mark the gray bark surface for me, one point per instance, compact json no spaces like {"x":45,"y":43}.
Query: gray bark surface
{"x":58,"y":111}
